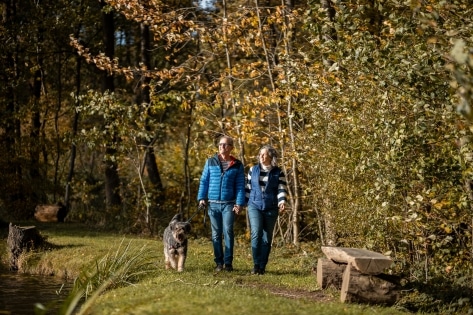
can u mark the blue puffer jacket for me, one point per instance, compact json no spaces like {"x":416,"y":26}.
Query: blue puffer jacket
{"x":216,"y":185}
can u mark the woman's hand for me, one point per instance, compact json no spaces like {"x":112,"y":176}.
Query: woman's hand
{"x":282,"y":208}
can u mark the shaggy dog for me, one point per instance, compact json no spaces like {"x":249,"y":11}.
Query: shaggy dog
{"x":175,"y":243}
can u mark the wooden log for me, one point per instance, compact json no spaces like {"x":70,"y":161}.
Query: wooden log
{"x":22,"y":239}
{"x":50,"y":213}
{"x":371,"y":289}
{"x":329,"y":273}
{"x":366,"y":261}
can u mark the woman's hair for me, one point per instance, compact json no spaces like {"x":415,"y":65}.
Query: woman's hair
{"x":272,"y":153}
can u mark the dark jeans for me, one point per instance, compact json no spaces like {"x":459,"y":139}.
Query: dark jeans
{"x":222,"y":218}
{"x":262,"y":224}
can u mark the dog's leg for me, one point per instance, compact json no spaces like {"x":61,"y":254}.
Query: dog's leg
{"x":173,"y":260}
{"x":181,"y":261}
{"x":167,"y":262}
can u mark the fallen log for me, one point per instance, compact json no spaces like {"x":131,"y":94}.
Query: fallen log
{"x":22,"y":239}
{"x":329,"y":273}
{"x":370,"y":289}
{"x":50,"y":213}
{"x":365,"y":261}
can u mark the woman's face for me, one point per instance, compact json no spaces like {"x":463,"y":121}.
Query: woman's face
{"x":264,"y":157}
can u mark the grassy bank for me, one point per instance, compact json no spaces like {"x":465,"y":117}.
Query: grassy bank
{"x":288,"y":287}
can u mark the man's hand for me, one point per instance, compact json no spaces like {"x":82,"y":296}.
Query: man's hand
{"x":236,"y":209}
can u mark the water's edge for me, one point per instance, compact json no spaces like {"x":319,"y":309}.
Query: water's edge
{"x":19,"y":292}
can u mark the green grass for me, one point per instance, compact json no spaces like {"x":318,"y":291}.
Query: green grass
{"x":288,"y":287}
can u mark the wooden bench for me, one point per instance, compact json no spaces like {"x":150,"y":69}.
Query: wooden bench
{"x":359,"y":275}
{"x":365,"y":261}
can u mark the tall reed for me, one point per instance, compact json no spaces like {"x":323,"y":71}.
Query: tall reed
{"x":125,"y":266}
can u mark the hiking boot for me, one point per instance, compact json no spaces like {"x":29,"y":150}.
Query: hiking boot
{"x":228,"y":268}
{"x":219,"y":268}
{"x":255,"y":270}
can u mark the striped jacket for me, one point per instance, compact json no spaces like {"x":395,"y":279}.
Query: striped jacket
{"x":265,"y":190}
{"x":222,"y":186}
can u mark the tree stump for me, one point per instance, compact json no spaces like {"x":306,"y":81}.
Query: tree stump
{"x":22,"y":239}
{"x":50,"y":213}
{"x":329,"y":273}
{"x":365,"y":288}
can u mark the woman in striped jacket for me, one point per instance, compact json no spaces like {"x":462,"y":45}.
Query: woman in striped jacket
{"x":266,"y":196}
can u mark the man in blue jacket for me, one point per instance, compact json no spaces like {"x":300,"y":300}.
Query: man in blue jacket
{"x":222,"y":187}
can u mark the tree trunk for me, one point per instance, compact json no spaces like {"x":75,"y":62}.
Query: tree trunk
{"x":75,"y":123}
{"x":154,"y":178}
{"x":57,"y":133}
{"x":112,"y":179}
{"x":296,"y":199}
{"x":149,"y":156}
{"x":468,"y":183}
{"x":329,"y":273}
{"x":22,"y":239}
{"x":328,"y":34}
{"x":232,"y":97}
{"x":371,"y":289}
{"x":12,"y":128}
{"x":34,"y":138}
{"x":187,"y":173}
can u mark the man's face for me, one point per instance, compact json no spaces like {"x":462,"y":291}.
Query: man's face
{"x":225,"y":146}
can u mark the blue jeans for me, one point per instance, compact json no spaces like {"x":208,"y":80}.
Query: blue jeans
{"x":262,"y":224}
{"x":222,"y":218}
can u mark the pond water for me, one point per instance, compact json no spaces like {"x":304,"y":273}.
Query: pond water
{"x":19,"y":293}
